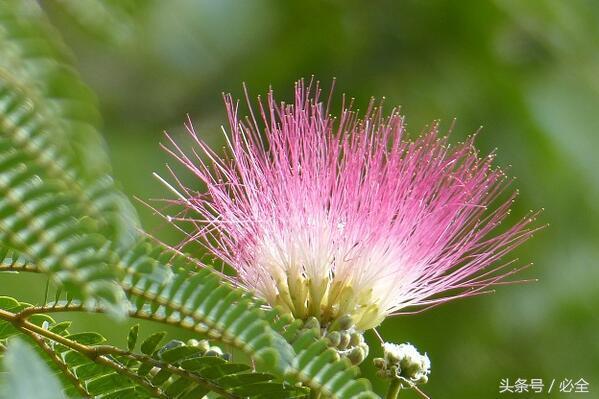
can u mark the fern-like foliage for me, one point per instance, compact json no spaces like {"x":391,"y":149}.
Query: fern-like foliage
{"x":200,"y":301}
{"x":62,"y":215}
{"x":88,"y":366}
{"x":59,"y":206}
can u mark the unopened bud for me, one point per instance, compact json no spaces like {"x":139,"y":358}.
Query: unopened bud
{"x":344,"y":341}
{"x":203,"y":345}
{"x":356,"y":339}
{"x":365,"y":348}
{"x":379,"y":362}
{"x":214,"y":351}
{"x":356,"y":355}
{"x":312,"y":323}
{"x":344,"y":322}
{"x":334,"y":338}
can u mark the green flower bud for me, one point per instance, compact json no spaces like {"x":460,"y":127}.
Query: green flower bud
{"x":382,"y":373}
{"x":203,"y":345}
{"x":336,"y":356}
{"x":312,"y":323}
{"x":365,"y":348}
{"x":214,"y":351}
{"x":344,"y":322}
{"x":344,"y":342}
{"x":356,"y":355}
{"x":334,"y":338}
{"x":356,"y":339}
{"x":379,"y":363}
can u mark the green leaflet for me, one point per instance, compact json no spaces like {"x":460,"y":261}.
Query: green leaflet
{"x":27,"y":375}
{"x":11,"y":304}
{"x":149,"y":345}
{"x":132,"y":337}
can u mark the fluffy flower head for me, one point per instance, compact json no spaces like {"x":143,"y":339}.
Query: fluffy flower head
{"x":330,"y":217}
{"x":405,"y":361}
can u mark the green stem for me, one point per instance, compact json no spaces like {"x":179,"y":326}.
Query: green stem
{"x":99,"y":353}
{"x":314,"y":394}
{"x":394,"y":388}
{"x":91,"y":352}
{"x":59,"y":362}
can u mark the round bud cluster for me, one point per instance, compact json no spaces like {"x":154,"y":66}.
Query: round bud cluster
{"x":207,"y":350}
{"x":343,"y":337}
{"x":203,"y":349}
{"x":203,"y":346}
{"x":403,"y":362}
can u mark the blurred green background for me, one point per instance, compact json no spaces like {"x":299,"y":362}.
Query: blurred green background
{"x":528,"y":71}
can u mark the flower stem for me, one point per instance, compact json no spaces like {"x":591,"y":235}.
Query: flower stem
{"x":394,"y":387}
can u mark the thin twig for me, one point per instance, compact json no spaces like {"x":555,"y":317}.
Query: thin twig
{"x":422,"y":394}
{"x":111,"y":350}
{"x":89,"y":352}
{"x":415,"y":388}
{"x":19,"y":268}
{"x":59,"y":362}
{"x":99,"y":352}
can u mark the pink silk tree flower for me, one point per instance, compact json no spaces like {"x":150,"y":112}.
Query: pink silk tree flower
{"x":336,"y":217}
